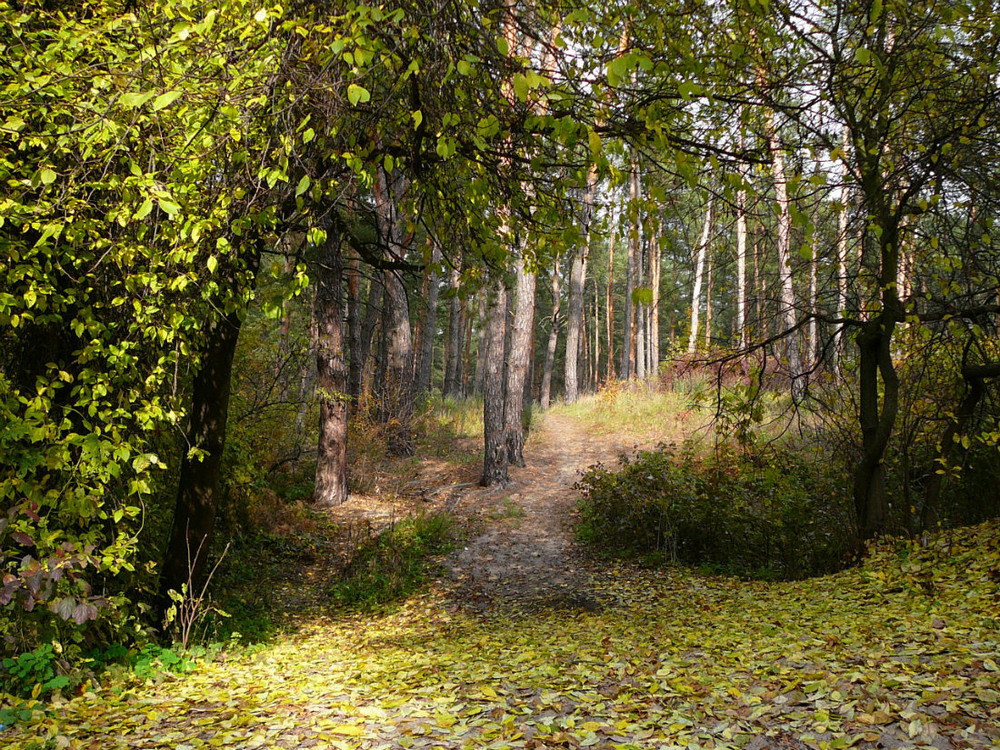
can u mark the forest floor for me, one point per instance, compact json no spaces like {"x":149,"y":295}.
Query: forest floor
{"x":526,"y":641}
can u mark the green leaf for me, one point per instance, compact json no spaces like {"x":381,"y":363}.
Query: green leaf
{"x":303,"y":185}
{"x":168,"y":207}
{"x":144,"y":209}
{"x":520,"y":87}
{"x":47,"y":176}
{"x":165,"y":100}
{"x":357,"y":94}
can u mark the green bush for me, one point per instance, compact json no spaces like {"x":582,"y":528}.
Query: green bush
{"x":392,"y":565}
{"x":772,"y":515}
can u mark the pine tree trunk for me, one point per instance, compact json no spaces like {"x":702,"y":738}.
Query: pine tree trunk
{"x":787,"y":314}
{"x":741,"y":252}
{"x":425,"y":368}
{"x":481,"y":348}
{"x":354,"y":329}
{"x":838,"y":348}
{"x":577,"y":281}
{"x":699,"y":272}
{"x":609,"y":300}
{"x":396,"y":387}
{"x":517,"y":359}
{"x":332,"y":376}
{"x":655,"y":257}
{"x":596,"y":364}
{"x":453,"y":352}
{"x":545,"y":397}
{"x":373,"y":314}
{"x":708,"y":301}
{"x":629,"y":343}
{"x":495,"y":453}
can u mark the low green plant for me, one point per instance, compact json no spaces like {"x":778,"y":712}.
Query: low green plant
{"x":35,"y":673}
{"x":762,"y":513}
{"x":395,"y":563}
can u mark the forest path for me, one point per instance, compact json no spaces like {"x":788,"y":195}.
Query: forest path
{"x":526,"y":558}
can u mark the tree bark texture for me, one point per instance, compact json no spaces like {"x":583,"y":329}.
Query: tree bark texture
{"x":332,"y":377}
{"x":517,"y":359}
{"x":456,"y":325}
{"x":545,"y":398}
{"x":577,"y":282}
{"x":787,"y":288}
{"x":629,"y":343}
{"x":609,"y":301}
{"x":495,"y":453}
{"x":396,"y":387}
{"x":354,"y":327}
{"x":699,"y":275}
{"x":425,"y":366}
{"x":198,"y":487}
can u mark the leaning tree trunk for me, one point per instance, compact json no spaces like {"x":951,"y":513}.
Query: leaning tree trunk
{"x":359,"y":355}
{"x":545,"y":398}
{"x":332,"y":376}
{"x":195,"y":504}
{"x":495,"y":453}
{"x":875,"y":360}
{"x":517,"y":363}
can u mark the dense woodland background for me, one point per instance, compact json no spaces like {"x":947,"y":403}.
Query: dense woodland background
{"x":247,"y":248}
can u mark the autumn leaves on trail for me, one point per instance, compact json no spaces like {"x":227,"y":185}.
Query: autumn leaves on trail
{"x":902,"y":653}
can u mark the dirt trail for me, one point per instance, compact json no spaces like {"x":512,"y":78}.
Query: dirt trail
{"x":526,"y":558}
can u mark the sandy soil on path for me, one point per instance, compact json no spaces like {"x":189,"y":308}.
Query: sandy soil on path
{"x":526,"y":558}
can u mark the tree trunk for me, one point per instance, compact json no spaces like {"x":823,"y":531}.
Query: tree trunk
{"x":741,"y":254}
{"x":609,"y":300}
{"x":708,"y":301}
{"x":550,"y":349}
{"x":495,"y":453}
{"x":373,"y":314}
{"x":396,"y":388}
{"x":655,"y":257}
{"x":577,"y":281}
{"x":354,"y":329}
{"x":425,"y":368}
{"x":456,"y":325}
{"x":629,"y":343}
{"x":641,"y":308}
{"x":596,"y":348}
{"x":787,"y":314}
{"x":975,"y":381}
{"x":332,"y":376}
{"x":517,"y":359}
{"x":481,"y":347}
{"x":699,"y":271}
{"x":198,"y":486}
{"x":838,"y":349}
{"x":875,"y":359}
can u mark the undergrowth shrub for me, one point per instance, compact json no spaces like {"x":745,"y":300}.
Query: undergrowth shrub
{"x":392,"y":565}
{"x":760,"y":513}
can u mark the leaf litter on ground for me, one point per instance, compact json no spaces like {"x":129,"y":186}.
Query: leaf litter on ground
{"x":900,"y":652}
